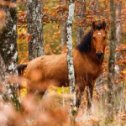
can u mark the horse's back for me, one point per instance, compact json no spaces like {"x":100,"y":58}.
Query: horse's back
{"x":50,"y":67}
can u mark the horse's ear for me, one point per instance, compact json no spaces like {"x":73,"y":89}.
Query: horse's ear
{"x":104,"y":25}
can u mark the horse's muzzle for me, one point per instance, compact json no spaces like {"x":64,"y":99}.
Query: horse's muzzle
{"x":100,"y":55}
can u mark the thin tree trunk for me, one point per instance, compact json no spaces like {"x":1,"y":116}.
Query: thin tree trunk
{"x":69,"y":47}
{"x":63,"y":34}
{"x":8,"y":36}
{"x":80,"y":17}
{"x":63,"y":27}
{"x":111,"y":64}
{"x":94,"y":6}
{"x":118,"y":21}
{"x":120,"y":87}
{"x":34,"y":20}
{"x":2,"y":69}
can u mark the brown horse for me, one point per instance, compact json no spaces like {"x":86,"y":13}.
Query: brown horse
{"x":87,"y":57}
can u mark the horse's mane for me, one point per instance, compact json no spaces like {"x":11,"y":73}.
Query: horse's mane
{"x":85,"y":44}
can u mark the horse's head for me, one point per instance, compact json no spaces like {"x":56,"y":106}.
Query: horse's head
{"x":99,"y":38}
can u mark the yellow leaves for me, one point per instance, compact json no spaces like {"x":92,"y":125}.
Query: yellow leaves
{"x":23,"y":92}
{"x":22,"y":41}
{"x":22,"y":30}
{"x":124,"y":71}
{"x":59,"y":90}
{"x":56,"y":34}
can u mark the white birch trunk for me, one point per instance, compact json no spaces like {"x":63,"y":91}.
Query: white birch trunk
{"x":69,"y":52}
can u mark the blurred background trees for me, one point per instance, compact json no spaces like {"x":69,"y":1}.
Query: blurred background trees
{"x":8,"y":35}
{"x":37,"y":27}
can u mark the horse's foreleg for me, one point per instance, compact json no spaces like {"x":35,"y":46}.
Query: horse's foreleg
{"x":89,"y":91}
{"x":79,"y":93}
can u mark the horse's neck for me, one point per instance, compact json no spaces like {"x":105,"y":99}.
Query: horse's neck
{"x":92,"y":56}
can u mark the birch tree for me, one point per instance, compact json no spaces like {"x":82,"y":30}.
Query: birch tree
{"x":69,"y":50}
{"x":34,"y":21}
{"x":111,"y":64}
{"x":8,"y":45}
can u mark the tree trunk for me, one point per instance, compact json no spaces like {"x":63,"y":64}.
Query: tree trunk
{"x":120,"y":87}
{"x":2,"y":69}
{"x":8,"y":36}
{"x":63,"y":27}
{"x":111,"y":64}
{"x":34,"y":20}
{"x":118,"y":21}
{"x":94,"y":6}
{"x":80,"y":16}
{"x":69,"y":51}
{"x":8,"y":49}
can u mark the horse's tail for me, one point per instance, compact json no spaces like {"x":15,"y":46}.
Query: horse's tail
{"x":21,"y":68}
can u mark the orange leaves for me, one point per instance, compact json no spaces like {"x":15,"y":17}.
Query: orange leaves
{"x":61,"y":8}
{"x":21,"y":17}
{"x":55,"y":14}
{"x":7,"y":3}
{"x":80,"y":22}
{"x":2,"y":19}
{"x":124,"y":72}
{"x":122,"y":47}
{"x":122,"y":50}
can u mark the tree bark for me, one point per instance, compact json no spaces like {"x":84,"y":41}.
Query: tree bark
{"x":63,"y":27}
{"x":118,"y":21}
{"x":80,"y":17}
{"x":94,"y":6}
{"x":8,"y":50}
{"x":2,"y":69}
{"x":8,"y":36}
{"x":111,"y":64}
{"x":34,"y":21}
{"x":69,"y":50}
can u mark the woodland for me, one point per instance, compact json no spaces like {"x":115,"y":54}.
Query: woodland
{"x":62,"y":63}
